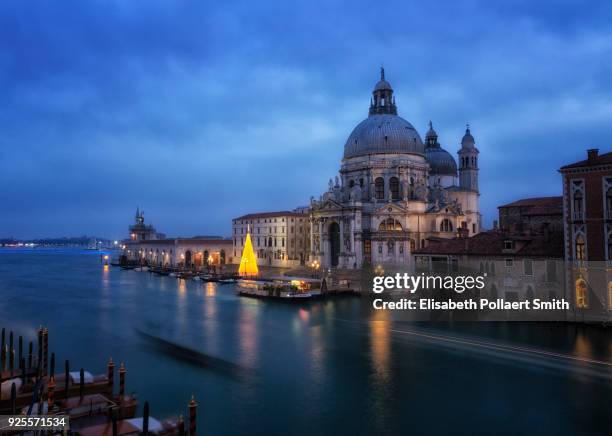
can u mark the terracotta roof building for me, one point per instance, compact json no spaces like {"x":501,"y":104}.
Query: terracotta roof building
{"x":537,"y":214}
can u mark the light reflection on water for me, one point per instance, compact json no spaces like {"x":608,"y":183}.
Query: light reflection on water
{"x":312,"y":368}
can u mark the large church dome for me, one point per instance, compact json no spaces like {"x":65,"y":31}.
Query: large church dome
{"x":383,"y":131}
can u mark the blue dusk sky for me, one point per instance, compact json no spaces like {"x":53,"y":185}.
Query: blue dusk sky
{"x":201,"y":111}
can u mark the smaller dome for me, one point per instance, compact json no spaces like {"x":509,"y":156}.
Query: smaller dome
{"x":468,"y":139}
{"x":441,"y":162}
{"x":383,"y":85}
{"x":431,"y":134}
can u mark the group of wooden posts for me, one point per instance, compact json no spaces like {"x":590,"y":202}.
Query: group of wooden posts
{"x":33,"y":385}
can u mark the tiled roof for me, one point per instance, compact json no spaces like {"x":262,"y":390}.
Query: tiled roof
{"x":601,"y":159}
{"x":538,"y":206}
{"x":491,"y":243}
{"x":271,"y":215}
{"x":536,"y":201}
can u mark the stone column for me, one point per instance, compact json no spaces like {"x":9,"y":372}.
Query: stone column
{"x":341,"y":234}
{"x":312,"y":250}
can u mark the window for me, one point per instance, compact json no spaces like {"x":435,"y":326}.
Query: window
{"x":351,"y":183}
{"x":379,"y":188}
{"x":446,"y":225}
{"x":412,"y":245}
{"x":509,"y":262}
{"x":577,"y":205}
{"x":379,"y":248}
{"x":551,"y":271}
{"x":580,"y":252}
{"x":508,"y":245}
{"x":394,"y":187}
{"x":529,"y":294}
{"x":528,"y":267}
{"x":401,"y":248}
{"x":493,"y":292}
{"x":473,"y":227}
{"x":609,"y":204}
{"x":390,"y":225}
{"x":581,"y":294}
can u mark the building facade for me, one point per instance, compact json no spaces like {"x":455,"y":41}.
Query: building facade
{"x":587,"y":218}
{"x":147,"y":247}
{"x":516,"y":267}
{"x":280,"y":239}
{"x":393,"y":191}
{"x":539,"y":214}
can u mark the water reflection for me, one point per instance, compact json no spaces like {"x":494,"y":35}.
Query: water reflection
{"x":210,"y":322}
{"x":248,"y":331}
{"x":211,"y":289}
{"x":381,"y":379}
{"x":582,"y":346}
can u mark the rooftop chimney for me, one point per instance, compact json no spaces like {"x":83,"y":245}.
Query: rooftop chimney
{"x":592,"y":153}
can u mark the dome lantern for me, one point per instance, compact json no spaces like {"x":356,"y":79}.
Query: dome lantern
{"x":383,"y":101}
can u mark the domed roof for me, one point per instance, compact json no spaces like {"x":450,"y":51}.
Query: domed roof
{"x":468,"y":139}
{"x":440,"y":161}
{"x":384,"y":133}
{"x":382,"y":84}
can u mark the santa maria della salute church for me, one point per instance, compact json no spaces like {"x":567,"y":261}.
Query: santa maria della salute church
{"x":393,"y":191}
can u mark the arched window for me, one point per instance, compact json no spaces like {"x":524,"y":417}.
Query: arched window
{"x":394,"y":188}
{"x":581,"y":294}
{"x":446,"y":225}
{"x":379,"y":188}
{"x":580,"y":251}
{"x":351,"y":183}
{"x":390,"y":225}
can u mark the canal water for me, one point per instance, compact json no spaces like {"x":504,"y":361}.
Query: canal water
{"x":327,"y":367}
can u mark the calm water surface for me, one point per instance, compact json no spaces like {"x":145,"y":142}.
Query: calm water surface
{"x":313,"y":368}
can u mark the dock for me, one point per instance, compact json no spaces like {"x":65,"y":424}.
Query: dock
{"x":30,"y":386}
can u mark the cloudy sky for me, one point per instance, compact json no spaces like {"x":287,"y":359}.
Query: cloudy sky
{"x":202,"y":111}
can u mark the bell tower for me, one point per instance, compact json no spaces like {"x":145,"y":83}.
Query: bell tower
{"x":468,"y":162}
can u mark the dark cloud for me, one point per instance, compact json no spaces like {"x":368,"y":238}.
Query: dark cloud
{"x":201,"y":111}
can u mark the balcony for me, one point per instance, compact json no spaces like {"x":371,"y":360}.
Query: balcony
{"x":578,"y":216}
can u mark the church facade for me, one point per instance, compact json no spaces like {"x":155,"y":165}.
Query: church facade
{"x":393,"y":191}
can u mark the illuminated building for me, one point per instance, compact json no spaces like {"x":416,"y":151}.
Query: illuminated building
{"x":393,"y":191}
{"x":280,"y":239}
{"x":587,"y":217}
{"x":147,"y":246}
